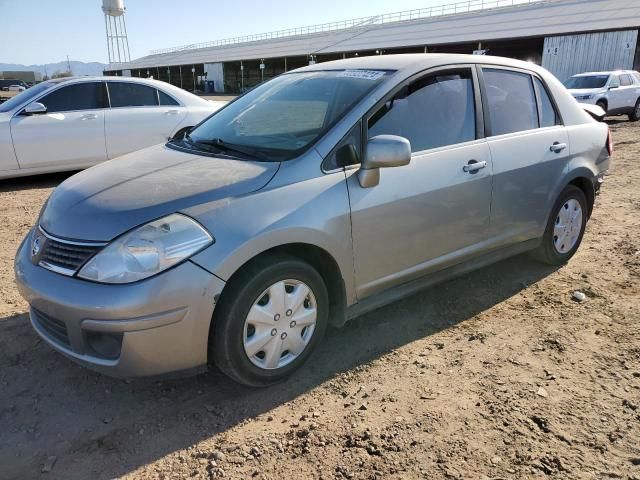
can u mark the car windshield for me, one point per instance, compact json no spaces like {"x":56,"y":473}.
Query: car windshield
{"x":281,"y":118}
{"x":25,"y":96}
{"x":587,"y":81}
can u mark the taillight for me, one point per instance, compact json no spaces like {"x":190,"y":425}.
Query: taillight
{"x":609,"y":143}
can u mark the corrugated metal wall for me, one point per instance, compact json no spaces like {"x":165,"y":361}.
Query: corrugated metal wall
{"x":567,"y":55}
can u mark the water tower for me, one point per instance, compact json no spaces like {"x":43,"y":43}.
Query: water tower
{"x":117,"y":43}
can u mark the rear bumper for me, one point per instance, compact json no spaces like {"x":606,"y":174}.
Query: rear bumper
{"x":152,"y":327}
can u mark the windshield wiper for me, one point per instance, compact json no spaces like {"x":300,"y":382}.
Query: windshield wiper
{"x":230,"y":147}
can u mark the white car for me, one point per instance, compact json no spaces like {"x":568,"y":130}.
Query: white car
{"x":16,"y":88}
{"x":617,"y":93}
{"x":73,"y":123}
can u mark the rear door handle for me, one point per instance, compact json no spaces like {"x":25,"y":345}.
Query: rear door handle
{"x":171,"y":112}
{"x":473,"y":166}
{"x":89,"y":116}
{"x":557,"y":147}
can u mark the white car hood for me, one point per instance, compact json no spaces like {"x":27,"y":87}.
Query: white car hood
{"x":585,"y":91}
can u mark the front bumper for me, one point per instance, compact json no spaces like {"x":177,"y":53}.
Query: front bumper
{"x":153,"y":327}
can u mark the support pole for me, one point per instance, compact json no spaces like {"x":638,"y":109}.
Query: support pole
{"x":117,"y":37}
{"x":106,"y":28}
{"x":126,"y":39}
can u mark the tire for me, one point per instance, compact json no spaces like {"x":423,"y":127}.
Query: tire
{"x":553,"y":250}
{"x":602,"y":104}
{"x":232,"y":329}
{"x":635,"y":115}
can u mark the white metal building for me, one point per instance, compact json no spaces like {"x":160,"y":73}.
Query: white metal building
{"x":565,"y":36}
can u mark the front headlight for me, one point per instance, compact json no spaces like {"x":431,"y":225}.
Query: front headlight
{"x":147,"y":250}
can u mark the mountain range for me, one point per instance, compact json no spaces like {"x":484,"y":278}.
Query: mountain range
{"x":78,"y":68}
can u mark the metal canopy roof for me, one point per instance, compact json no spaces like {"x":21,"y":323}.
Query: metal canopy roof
{"x":535,"y":18}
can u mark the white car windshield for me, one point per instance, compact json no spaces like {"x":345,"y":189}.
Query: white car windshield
{"x":25,"y":96}
{"x":587,"y":81}
{"x":280,"y":118}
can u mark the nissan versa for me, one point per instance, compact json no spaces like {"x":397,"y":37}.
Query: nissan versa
{"x":317,"y":196}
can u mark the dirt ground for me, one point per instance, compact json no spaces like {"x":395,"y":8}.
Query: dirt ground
{"x":498,"y":374}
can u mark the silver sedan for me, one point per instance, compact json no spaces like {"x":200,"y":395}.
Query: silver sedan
{"x":320,"y":195}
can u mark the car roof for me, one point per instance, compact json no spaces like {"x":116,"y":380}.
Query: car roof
{"x":186,"y":97}
{"x":96,"y":78}
{"x":588,"y":74}
{"x":410,"y":62}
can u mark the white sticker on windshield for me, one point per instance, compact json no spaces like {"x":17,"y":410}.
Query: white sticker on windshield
{"x":364,"y":74}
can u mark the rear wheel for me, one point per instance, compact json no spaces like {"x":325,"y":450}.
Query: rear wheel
{"x":269,"y":320}
{"x":635,"y":115}
{"x":565,"y":227}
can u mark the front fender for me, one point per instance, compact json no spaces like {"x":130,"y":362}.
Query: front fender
{"x":314,"y":212}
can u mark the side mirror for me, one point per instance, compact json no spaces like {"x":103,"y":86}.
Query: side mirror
{"x":180,"y":134}
{"x":614,"y":85}
{"x":34,"y":108}
{"x":383,"y":151}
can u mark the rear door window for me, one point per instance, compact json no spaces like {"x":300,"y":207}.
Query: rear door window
{"x":511,"y":101}
{"x":434,"y":111}
{"x":124,"y":94}
{"x":75,"y":97}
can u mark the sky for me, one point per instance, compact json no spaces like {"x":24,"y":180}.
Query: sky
{"x":44,"y":31}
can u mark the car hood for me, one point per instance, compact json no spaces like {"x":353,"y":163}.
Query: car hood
{"x":105,"y":201}
{"x":584,"y":91}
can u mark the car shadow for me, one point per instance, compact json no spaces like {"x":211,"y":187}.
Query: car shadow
{"x":104,"y":428}
{"x":47,"y":180}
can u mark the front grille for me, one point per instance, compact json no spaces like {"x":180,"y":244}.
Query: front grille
{"x":66,"y":255}
{"x":60,"y":255}
{"x":55,"y":328}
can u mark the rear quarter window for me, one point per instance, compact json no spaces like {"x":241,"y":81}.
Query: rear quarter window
{"x":166,"y":99}
{"x":548,"y":115}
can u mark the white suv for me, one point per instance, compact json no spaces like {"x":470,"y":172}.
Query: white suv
{"x":617,"y":93}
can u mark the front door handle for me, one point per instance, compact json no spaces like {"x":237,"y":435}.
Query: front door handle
{"x":473,"y":166}
{"x":557,"y":147}
{"x":89,"y":116}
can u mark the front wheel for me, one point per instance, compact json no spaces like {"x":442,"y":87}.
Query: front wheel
{"x":565,"y":227}
{"x":269,"y":320}
{"x":602,"y":104}
{"x":635,"y":115}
